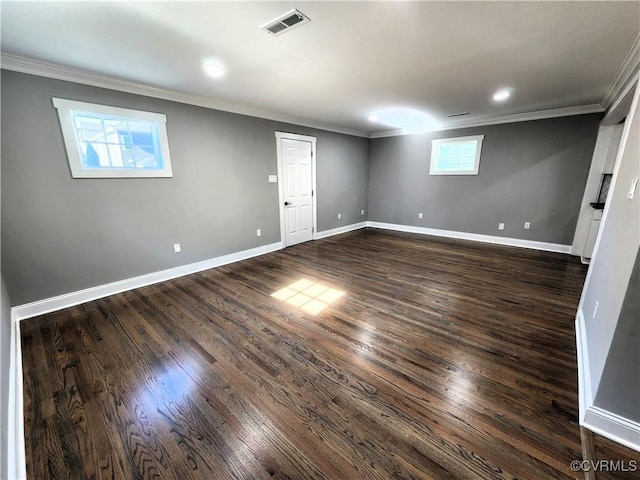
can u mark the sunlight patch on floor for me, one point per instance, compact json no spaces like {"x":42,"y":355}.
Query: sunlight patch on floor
{"x":308,"y":296}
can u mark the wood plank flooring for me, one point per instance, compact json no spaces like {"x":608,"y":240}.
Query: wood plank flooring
{"x":443,"y":360}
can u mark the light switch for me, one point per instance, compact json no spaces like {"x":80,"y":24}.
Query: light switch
{"x":273,"y":179}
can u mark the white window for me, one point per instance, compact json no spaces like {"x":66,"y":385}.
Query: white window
{"x":110,"y":142}
{"x":456,"y":156}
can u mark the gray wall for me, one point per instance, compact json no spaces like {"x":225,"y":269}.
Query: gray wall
{"x":529,"y":171}
{"x":342,"y":190}
{"x":619,"y":390}
{"x":615,"y":253}
{"x":5,"y":363}
{"x":61,"y":234}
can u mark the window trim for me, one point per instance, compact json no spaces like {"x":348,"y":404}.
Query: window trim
{"x":435,"y":155}
{"x":65,"y":107}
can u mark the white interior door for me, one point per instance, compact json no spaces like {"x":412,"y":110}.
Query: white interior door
{"x":296,"y":176}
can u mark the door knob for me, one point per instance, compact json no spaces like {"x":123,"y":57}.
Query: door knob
{"x":287,"y":203}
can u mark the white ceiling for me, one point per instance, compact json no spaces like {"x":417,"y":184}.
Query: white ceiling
{"x":352,"y":59}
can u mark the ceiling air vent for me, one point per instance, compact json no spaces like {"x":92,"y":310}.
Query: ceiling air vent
{"x":285,"y":22}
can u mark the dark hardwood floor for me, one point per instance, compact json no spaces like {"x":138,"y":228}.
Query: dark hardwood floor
{"x":443,"y":359}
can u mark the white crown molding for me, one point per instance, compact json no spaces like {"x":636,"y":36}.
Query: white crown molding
{"x":619,"y":109}
{"x":513,"y":118}
{"x":69,"y":74}
{"x":629,"y":68}
{"x":47,"y":305}
{"x":619,"y":86}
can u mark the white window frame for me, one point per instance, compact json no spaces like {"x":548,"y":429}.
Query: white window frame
{"x":65,"y":107}
{"x":435,"y":155}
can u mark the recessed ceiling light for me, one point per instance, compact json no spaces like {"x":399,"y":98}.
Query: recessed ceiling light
{"x":373,"y":118}
{"x":214,"y":69}
{"x":502,"y":95}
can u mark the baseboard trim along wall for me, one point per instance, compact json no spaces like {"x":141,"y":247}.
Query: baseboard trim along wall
{"x":339,"y":230}
{"x":585,"y":392}
{"x":52,"y":304}
{"x":48,"y":305}
{"x":476,"y":237}
{"x":603,"y":422}
{"x":612,"y":426}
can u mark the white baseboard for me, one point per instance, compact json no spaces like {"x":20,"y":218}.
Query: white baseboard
{"x":612,"y":426}
{"x":585,"y":392}
{"x":512,"y":242}
{"x":47,"y":305}
{"x":603,"y":422}
{"x":59,"y":302}
{"x":16,"y":458}
{"x":339,"y":230}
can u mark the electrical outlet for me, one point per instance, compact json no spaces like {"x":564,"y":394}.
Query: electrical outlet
{"x":595,"y":310}
{"x":501,"y":226}
{"x":420,"y":215}
{"x":176,"y":248}
{"x":527,"y":225}
{"x":339,"y":216}
{"x":258,"y":233}
{"x":361,"y":212}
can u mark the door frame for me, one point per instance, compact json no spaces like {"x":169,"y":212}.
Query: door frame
{"x":314,"y":195}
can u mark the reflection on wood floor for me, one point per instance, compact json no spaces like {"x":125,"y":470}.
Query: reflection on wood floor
{"x":442,"y":359}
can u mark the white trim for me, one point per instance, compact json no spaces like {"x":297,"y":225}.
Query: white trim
{"x":476,"y":237}
{"x":612,"y":426}
{"x":314,"y":195}
{"x":612,"y":186}
{"x":16,"y":457}
{"x":585,"y":392}
{"x":434,"y":168}
{"x":52,"y":304}
{"x":628,"y":69}
{"x":59,"y":302}
{"x":287,"y":28}
{"x":339,"y":230}
{"x":513,"y":118}
{"x":30,"y":66}
{"x":621,"y":105}
{"x":84,"y":77}
{"x":66,"y":109}
{"x":607,"y":424}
